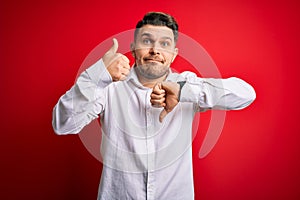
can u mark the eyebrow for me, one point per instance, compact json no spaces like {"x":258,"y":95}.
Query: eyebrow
{"x":149,"y":35}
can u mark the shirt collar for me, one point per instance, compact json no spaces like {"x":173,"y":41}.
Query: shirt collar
{"x":133,"y":78}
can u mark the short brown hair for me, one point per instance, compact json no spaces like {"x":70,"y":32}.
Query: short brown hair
{"x":158,"y":19}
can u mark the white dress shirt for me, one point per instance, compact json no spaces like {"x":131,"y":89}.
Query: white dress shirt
{"x":143,"y":158}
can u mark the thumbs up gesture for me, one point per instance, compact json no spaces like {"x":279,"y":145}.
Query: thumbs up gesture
{"x":165,"y":95}
{"x":116,"y":64}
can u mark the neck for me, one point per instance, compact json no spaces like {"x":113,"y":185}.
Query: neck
{"x":146,"y":82}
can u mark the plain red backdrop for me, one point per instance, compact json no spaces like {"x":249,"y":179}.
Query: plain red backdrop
{"x":43,"y":43}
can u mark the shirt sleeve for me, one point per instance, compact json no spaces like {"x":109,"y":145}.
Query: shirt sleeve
{"x":220,"y":94}
{"x":83,"y":102}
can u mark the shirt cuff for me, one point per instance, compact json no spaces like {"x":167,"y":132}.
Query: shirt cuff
{"x":187,"y":94}
{"x":99,"y":74}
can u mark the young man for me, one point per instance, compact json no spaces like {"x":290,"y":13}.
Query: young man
{"x":146,"y":113}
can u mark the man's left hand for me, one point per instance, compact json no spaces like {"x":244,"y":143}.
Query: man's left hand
{"x":165,"y":94}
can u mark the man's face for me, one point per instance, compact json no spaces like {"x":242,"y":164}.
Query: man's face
{"x":154,"y":50}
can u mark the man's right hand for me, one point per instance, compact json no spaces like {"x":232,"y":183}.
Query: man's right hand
{"x":116,"y":64}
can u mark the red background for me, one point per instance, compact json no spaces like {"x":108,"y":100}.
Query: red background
{"x":43,"y":43}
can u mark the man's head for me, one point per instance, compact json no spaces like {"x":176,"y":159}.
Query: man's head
{"x":158,"y":19}
{"x":154,"y":46}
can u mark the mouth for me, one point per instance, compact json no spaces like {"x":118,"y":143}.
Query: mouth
{"x":153,"y":60}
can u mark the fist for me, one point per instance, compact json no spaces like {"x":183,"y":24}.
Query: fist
{"x":116,"y":63}
{"x":165,"y":95}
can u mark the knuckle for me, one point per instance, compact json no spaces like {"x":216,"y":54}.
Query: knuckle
{"x":118,"y":55}
{"x":127,"y":66}
{"x":118,"y":61}
{"x":118,"y":68}
{"x":117,"y":76}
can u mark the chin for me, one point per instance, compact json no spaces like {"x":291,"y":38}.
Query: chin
{"x":154,"y":75}
{"x":152,"y":70}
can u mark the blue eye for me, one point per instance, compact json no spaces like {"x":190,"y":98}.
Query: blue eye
{"x":165,"y":44}
{"x":146,"y":41}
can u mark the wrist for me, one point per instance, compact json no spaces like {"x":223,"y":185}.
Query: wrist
{"x":181,"y":84}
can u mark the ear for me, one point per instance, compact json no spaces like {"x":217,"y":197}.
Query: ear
{"x":132,"y":49}
{"x":175,"y":54}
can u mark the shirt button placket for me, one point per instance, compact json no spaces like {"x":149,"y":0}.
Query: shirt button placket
{"x":151,"y":171}
{"x":150,"y":153}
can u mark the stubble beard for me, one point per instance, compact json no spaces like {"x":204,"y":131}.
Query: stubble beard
{"x":152,"y":70}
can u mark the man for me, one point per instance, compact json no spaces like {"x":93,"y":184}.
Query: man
{"x":146,"y":113}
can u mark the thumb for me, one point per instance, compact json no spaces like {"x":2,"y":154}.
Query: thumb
{"x":162,"y":115}
{"x":157,"y":87}
{"x":114,"y":48}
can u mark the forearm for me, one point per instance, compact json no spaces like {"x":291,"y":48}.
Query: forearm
{"x":83,"y":102}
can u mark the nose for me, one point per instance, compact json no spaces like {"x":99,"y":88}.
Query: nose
{"x":154,"y":50}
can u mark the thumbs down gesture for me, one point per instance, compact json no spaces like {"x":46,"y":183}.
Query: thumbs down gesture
{"x":116,"y":64}
{"x":166,"y":95}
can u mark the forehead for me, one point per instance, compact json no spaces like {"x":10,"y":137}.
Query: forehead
{"x":155,"y":31}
